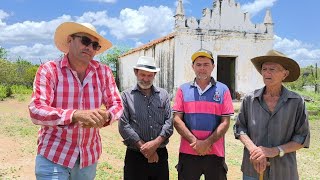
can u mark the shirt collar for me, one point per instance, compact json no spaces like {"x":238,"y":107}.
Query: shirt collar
{"x":212,"y":81}
{"x":285,"y":93}
{"x":65,"y":63}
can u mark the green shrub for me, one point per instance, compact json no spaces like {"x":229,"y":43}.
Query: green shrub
{"x":5,"y":91}
{"x":21,"y":89}
{"x":2,"y":92}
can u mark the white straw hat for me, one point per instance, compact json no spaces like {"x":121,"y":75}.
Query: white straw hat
{"x":147,"y":64}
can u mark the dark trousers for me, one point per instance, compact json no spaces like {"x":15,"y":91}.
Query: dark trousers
{"x":191,"y":167}
{"x":136,"y":166}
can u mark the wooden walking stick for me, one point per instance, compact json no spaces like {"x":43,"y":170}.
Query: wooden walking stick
{"x":262,"y":173}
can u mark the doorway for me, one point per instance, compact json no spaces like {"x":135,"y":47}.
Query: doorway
{"x":226,"y":73}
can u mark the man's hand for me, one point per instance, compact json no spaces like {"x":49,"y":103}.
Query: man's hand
{"x":261,"y":152}
{"x":149,"y":148}
{"x":154,"y":158}
{"x":91,"y":118}
{"x":260,"y":166}
{"x":202,"y":147}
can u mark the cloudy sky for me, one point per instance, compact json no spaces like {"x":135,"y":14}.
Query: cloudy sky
{"x":27,"y":26}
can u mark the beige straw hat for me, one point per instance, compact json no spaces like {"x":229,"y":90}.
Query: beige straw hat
{"x":277,"y":57}
{"x":69,"y":28}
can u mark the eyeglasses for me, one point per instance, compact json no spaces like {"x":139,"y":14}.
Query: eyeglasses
{"x":87,"y":41}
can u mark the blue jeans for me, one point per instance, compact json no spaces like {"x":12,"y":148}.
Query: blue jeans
{"x":244,"y":177}
{"x":48,"y":170}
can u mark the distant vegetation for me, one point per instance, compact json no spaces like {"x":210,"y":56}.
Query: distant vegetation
{"x":16,"y":77}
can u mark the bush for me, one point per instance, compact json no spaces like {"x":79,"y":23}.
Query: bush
{"x":5,"y":91}
{"x":21,"y":89}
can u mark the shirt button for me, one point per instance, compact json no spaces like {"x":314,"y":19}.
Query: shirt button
{"x":151,"y":137}
{"x":148,"y":106}
{"x":151,"y":127}
{"x":149,"y":116}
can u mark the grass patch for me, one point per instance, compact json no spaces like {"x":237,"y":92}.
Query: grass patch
{"x":16,"y":124}
{"x":107,"y":171}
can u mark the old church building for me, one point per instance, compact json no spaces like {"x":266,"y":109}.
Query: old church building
{"x":223,"y":29}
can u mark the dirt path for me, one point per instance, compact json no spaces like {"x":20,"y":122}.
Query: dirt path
{"x":15,"y":162}
{"x":16,"y":153}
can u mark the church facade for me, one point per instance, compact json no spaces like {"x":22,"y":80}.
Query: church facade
{"x":224,"y":30}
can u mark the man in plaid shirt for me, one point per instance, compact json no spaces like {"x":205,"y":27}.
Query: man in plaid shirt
{"x":66,"y":103}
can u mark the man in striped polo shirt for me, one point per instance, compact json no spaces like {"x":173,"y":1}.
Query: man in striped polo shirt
{"x":202,"y":110}
{"x":146,"y":125}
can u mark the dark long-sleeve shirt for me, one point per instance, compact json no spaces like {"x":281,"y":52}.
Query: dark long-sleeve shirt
{"x":145,"y":118}
{"x":288,"y":122}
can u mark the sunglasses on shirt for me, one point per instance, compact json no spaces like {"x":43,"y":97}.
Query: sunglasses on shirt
{"x":87,"y":41}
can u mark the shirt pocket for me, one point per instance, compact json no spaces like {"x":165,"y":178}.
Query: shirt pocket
{"x":160,"y":115}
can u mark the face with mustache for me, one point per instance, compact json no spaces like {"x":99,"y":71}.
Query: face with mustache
{"x":79,"y":52}
{"x":203,"y":68}
{"x":144,"y":78}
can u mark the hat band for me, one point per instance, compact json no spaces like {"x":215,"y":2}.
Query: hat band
{"x":146,"y":66}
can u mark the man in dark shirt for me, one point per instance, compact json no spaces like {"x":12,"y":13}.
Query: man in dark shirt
{"x":146,"y":125}
{"x":273,"y":123}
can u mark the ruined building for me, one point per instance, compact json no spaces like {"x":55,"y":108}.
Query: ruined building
{"x":223,"y":29}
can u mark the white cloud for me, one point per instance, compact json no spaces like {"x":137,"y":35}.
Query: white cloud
{"x":257,"y":6}
{"x":30,"y":31}
{"x":140,"y":23}
{"x":36,"y":53}
{"x":304,"y":54}
{"x":104,"y":1}
{"x":139,"y":44}
{"x":3,"y":15}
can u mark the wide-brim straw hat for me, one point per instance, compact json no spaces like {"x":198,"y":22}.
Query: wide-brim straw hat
{"x":147,"y":64}
{"x":277,"y":57}
{"x":68,"y":28}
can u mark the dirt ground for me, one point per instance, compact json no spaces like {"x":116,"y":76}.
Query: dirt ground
{"x":16,"y":157}
{"x":18,"y":151}
{"x":18,"y":138}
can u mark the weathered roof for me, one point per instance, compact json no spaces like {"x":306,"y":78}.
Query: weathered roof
{"x":150,"y":44}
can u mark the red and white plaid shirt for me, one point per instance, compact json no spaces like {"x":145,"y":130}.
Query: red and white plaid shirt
{"x":57,"y":94}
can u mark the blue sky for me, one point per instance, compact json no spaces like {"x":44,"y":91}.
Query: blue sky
{"x":27,"y":26}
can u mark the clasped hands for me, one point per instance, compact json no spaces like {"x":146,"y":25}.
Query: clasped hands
{"x":149,"y":150}
{"x":95,"y":118}
{"x":202,"y":147}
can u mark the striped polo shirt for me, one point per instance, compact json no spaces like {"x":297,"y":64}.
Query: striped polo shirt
{"x":203,"y":112}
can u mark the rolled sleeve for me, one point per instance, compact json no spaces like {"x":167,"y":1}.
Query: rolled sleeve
{"x":302,"y":130}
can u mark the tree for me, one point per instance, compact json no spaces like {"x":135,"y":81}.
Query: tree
{"x":307,"y":78}
{"x":111,"y":59}
{"x":3,"y":53}
{"x":7,"y":72}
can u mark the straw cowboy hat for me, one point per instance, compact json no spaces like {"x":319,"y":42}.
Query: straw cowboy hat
{"x":147,"y":64}
{"x":279,"y":58}
{"x":69,"y":28}
{"x":201,"y":52}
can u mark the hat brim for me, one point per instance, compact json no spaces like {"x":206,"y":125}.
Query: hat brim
{"x":198,"y":54}
{"x":289,"y":64}
{"x":68,"y":28}
{"x":147,"y":69}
